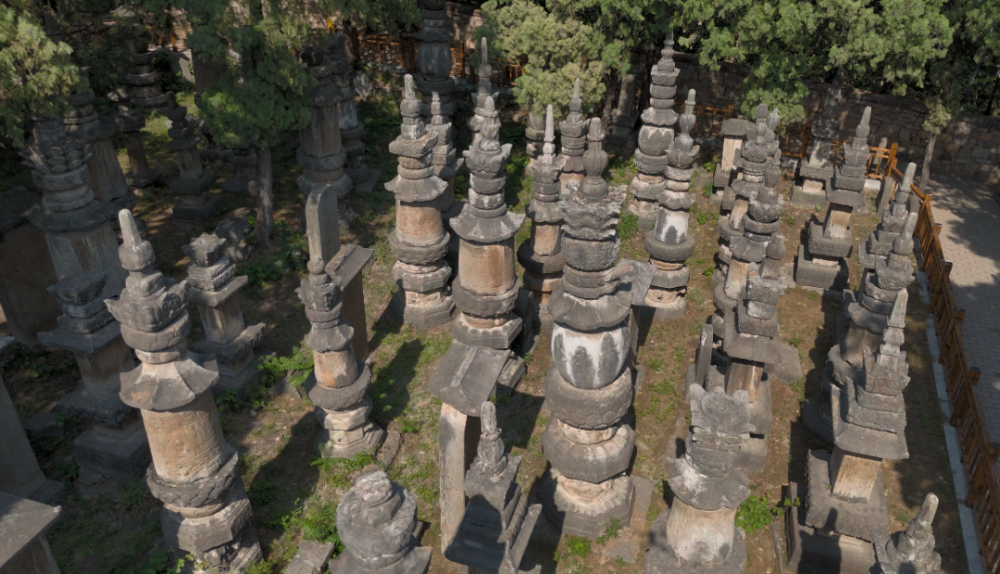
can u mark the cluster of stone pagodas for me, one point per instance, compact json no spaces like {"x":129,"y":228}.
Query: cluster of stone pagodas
{"x":698,"y":534}
{"x":419,"y":240}
{"x":822,"y":262}
{"x":845,"y":498}
{"x":82,"y":246}
{"x":195,"y":472}
{"x":655,"y":138}
{"x":193,"y":182}
{"x":815,"y":172}
{"x":541,"y":255}
{"x":590,"y":386}
{"x":669,"y":244}
{"x":376,"y":522}
{"x":498,"y":521}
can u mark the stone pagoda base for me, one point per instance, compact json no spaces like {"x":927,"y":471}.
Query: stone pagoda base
{"x":571,"y":517}
{"x":424,"y":316}
{"x":669,"y":312}
{"x":118,"y":453}
{"x":821,"y":551}
{"x":810,"y":195}
{"x":367,"y":186}
{"x":660,"y":558}
{"x":829,"y":277}
{"x":198,"y":211}
{"x":239,"y":381}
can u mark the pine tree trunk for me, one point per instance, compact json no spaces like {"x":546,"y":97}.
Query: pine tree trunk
{"x":265,"y":203}
{"x":925,"y":171}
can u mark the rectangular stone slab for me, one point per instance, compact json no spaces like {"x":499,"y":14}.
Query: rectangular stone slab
{"x":814,"y":552}
{"x":21,"y":522}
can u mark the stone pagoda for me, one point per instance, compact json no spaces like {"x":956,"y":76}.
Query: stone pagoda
{"x":823,"y":262}
{"x":845,"y":497}
{"x":323,"y":181}
{"x":376,"y":521}
{"x":817,"y":170}
{"x":669,"y":245}
{"x":910,"y":551}
{"x":573,"y":138}
{"x":419,"y":239}
{"x":214,"y":288}
{"x":541,"y":255}
{"x":861,"y":326}
{"x":480,"y":361}
{"x":144,"y":82}
{"x":891,"y":224}
{"x":194,"y":181}
{"x":484,"y":92}
{"x":352,"y":132}
{"x":195,"y":472}
{"x":622,"y":135}
{"x":338,"y":384}
{"x":434,"y":57}
{"x":534,"y":133}
{"x":243,"y":181}
{"x":698,"y":534}
{"x":444,"y":159}
{"x":590,"y":386}
{"x":655,"y":137}
{"x":498,"y":521}
{"x":130,"y":123}
{"x":734,"y":130}
{"x":106,"y":178}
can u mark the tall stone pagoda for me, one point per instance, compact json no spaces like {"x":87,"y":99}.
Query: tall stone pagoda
{"x":590,"y":386}
{"x":434,"y":57}
{"x":910,"y":551}
{"x":655,"y":139}
{"x":444,"y":159}
{"x":498,"y":521}
{"x":195,"y":472}
{"x":891,"y":224}
{"x":817,"y":169}
{"x":338,"y":384}
{"x":573,"y":138}
{"x":698,"y":534}
{"x":669,"y":245}
{"x":845,"y":497}
{"x":144,"y":82}
{"x":419,"y":239}
{"x":541,"y":255}
{"x":823,"y":262}
{"x":376,"y":520}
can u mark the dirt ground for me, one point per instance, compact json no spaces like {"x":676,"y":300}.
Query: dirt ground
{"x":115,"y":529}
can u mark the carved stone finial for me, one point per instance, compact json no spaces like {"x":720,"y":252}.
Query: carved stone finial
{"x":912,"y":550}
{"x":863,"y":128}
{"x":136,"y":253}
{"x":484,"y":59}
{"x":491,"y":460}
{"x":575,"y":103}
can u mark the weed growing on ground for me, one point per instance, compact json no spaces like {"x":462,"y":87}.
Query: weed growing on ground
{"x":612,"y":530}
{"x":628,"y":226}
{"x":755,"y":512}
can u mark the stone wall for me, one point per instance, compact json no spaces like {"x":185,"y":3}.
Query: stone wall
{"x":970,"y":145}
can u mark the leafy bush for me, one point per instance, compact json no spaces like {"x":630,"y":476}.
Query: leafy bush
{"x":755,"y":513}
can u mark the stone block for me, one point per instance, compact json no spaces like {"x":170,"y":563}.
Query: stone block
{"x":815,"y":551}
{"x":202,"y":534}
{"x":588,"y":520}
{"x":122,"y":454}
{"x":821,"y":276}
{"x":310,"y":558}
{"x":424,"y":316}
{"x":467,"y":376}
{"x":829,"y":513}
{"x":23,"y":548}
{"x":198,"y":212}
{"x":788,"y":367}
{"x":806,"y":198}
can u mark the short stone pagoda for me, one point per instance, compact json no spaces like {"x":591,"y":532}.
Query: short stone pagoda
{"x":655,"y":138}
{"x":498,"y":520}
{"x":130,"y":122}
{"x":195,"y":472}
{"x":323,"y":181}
{"x":669,"y":245}
{"x":214,"y":288}
{"x":823,"y":262}
{"x":144,"y":82}
{"x":910,"y":551}
{"x":698,"y":534}
{"x":590,"y":386}
{"x":484,"y":91}
{"x":541,"y":255}
{"x":194,"y":181}
{"x":338,"y":384}
{"x":419,"y":239}
{"x":573,"y":138}
{"x":891,"y":224}
{"x":352,"y":132}
{"x":444,"y":159}
{"x":376,"y":522}
{"x":845,"y":497}
{"x":817,"y":169}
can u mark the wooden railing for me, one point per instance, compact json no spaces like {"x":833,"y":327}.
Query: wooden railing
{"x":978,"y":456}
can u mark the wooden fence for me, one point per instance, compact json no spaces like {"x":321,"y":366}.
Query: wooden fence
{"x":978,"y":456}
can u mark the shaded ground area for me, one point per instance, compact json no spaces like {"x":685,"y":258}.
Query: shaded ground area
{"x":294,"y":494}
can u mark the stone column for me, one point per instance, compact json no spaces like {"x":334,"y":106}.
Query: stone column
{"x":911,"y":550}
{"x":891,"y":223}
{"x":817,"y":170}
{"x":20,"y":474}
{"x":144,"y":82}
{"x":498,"y":521}
{"x":130,"y":123}
{"x":572,"y":137}
{"x":484,"y":91}
{"x":589,"y":387}
{"x":376,"y":521}
{"x":25,"y":269}
{"x":534,"y":132}
{"x":352,"y":131}
{"x":323,"y":181}
{"x":622,"y":137}
{"x":823,"y":262}
{"x":419,"y":240}
{"x":845,"y":497}
{"x":194,"y":181}
{"x":244,"y":178}
{"x":339,"y":383}
{"x":214,"y":288}
{"x":24,"y":524}
{"x":733,"y":132}
{"x":698,"y":533}
{"x":115,"y":446}
{"x":106,"y":178}
{"x":655,"y":137}
{"x":486,"y":290}
{"x":861,"y":326}
{"x":669,"y":245}
{"x":195,"y":472}
{"x":541,"y":255}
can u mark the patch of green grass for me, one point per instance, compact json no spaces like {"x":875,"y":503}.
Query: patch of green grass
{"x":577,"y":546}
{"x":612,"y":530}
{"x":756,"y":513}
{"x":796,"y":341}
{"x":788,"y":220}
{"x":628,"y":225}
{"x":654,"y":364}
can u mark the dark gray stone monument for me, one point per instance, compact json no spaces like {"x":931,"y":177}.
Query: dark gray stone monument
{"x":194,"y":181}
{"x":23,"y":547}
{"x":573,"y":139}
{"x":817,"y":170}
{"x":910,"y":551}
